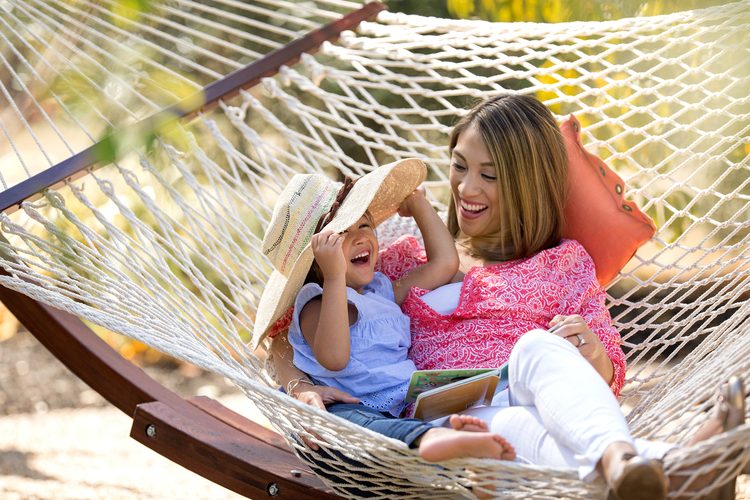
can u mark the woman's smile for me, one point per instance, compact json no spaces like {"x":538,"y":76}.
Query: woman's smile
{"x":471,"y":210}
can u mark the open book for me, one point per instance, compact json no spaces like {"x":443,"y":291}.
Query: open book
{"x":436,"y":393}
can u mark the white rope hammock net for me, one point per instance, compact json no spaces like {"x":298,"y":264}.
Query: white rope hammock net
{"x":163,"y":245}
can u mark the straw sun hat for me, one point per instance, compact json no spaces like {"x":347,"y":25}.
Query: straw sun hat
{"x":307,"y":200}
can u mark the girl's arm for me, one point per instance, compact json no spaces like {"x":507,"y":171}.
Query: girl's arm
{"x":325,"y":323}
{"x":442,"y":258}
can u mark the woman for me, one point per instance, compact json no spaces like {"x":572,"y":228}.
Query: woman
{"x":522,"y":295}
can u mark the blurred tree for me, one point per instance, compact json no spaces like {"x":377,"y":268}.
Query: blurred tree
{"x":437,"y":8}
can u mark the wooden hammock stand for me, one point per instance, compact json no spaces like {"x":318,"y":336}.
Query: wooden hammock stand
{"x":197,"y":433}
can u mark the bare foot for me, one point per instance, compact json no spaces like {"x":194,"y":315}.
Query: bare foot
{"x":728,"y":413}
{"x":468,"y":423}
{"x":678,"y":479}
{"x":440,"y":444}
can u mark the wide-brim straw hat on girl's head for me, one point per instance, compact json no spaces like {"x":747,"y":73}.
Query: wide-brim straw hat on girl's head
{"x":307,"y":200}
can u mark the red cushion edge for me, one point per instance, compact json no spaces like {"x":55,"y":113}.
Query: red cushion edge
{"x":607,"y":271}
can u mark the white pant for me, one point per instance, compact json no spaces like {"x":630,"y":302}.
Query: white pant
{"x":561,"y":411}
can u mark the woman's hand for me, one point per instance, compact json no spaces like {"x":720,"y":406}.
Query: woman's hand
{"x":575,"y":330}
{"x":406,"y":209}
{"x":319,"y":396}
{"x":292,"y":380}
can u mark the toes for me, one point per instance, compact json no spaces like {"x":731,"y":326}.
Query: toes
{"x":456,"y":422}
{"x":467,"y":422}
{"x":475,"y":421}
{"x":508,"y":452}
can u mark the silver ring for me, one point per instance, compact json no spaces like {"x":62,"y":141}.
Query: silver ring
{"x":580,"y":340}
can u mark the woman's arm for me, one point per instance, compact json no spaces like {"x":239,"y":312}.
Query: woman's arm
{"x":442,"y":258}
{"x":281,"y":354}
{"x":587,"y":315}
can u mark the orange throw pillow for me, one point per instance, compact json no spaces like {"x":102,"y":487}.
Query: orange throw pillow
{"x":609,"y":227}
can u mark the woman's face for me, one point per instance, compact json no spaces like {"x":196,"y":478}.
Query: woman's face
{"x":473,"y":181}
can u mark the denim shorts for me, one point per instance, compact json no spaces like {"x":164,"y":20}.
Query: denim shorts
{"x":406,"y":430}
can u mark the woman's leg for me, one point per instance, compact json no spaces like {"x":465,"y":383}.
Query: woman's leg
{"x":573,"y":404}
{"x":522,"y":426}
{"x":524,"y":430}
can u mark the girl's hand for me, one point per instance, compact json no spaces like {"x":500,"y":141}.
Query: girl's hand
{"x":575,"y":330}
{"x":406,"y":209}
{"x":329,"y":254}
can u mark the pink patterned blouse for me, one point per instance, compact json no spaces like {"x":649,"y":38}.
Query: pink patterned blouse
{"x":501,"y":302}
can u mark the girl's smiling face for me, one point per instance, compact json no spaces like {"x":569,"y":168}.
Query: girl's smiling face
{"x":473,"y":181}
{"x":360,"y":247}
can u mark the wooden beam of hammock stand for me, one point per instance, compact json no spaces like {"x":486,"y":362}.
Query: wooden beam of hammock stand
{"x":199,"y":434}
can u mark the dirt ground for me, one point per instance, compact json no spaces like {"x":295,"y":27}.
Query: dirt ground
{"x":33,"y":381}
{"x":61,"y":440}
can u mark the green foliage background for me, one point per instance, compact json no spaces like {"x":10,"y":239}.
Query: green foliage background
{"x":545,"y":11}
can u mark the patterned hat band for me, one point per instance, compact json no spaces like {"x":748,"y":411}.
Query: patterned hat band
{"x":340,"y":196}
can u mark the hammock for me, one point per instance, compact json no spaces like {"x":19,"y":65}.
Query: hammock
{"x":161,"y":242}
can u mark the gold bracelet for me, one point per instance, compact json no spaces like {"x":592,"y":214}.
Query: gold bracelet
{"x":295,"y":382}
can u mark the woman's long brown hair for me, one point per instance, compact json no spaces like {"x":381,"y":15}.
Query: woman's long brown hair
{"x":528,"y":151}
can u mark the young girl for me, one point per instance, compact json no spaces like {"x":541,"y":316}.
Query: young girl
{"x":348,"y":330}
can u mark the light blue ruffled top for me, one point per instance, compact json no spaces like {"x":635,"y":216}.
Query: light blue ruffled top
{"x":378,"y":371}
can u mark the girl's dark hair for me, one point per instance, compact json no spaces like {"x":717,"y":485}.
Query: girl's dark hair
{"x":314,"y":275}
